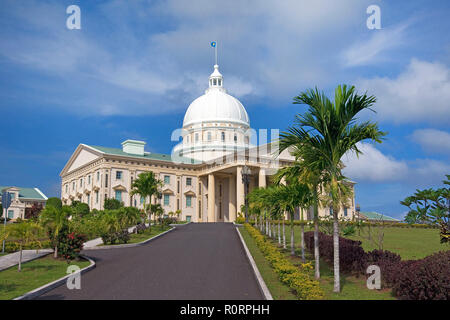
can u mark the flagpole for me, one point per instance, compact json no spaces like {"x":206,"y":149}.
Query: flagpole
{"x":216,"y":51}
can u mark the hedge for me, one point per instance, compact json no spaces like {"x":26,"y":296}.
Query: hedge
{"x":362,"y":223}
{"x":298,"y":279}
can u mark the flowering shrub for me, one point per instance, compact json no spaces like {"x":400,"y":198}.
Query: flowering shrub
{"x":70,"y":244}
{"x":296,"y":278}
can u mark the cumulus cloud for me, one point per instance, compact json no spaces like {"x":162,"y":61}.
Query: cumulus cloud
{"x":420,"y":93}
{"x":374,"y":166}
{"x":432,"y":140}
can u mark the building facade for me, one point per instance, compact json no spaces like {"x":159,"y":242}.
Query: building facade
{"x":203,"y":175}
{"x":22,"y":200}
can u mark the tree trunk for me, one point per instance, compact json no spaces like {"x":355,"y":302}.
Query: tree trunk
{"x":316,"y":236}
{"x":20,"y":258}
{"x":270,"y":230}
{"x":292,"y":239}
{"x":55,"y":254}
{"x":284,"y":236}
{"x":337,"y":280}
{"x":279,"y":235}
{"x":303,"y":242}
{"x":267,"y":227}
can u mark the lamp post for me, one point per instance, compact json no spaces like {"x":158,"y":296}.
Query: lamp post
{"x":246,"y":172}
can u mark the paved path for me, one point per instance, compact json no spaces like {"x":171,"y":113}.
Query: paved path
{"x":197,"y":261}
{"x":12,"y":259}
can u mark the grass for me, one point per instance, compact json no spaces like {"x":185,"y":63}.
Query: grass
{"x":278,"y":290}
{"x":352,"y":288}
{"x":34,"y":274}
{"x":139,"y":237}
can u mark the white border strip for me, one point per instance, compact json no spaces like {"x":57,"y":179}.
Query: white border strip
{"x":52,"y":285}
{"x":262,"y":285}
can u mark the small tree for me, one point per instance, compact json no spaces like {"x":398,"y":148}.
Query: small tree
{"x":54,"y":202}
{"x":54,"y":219}
{"x":112,"y":204}
{"x":25,"y":232}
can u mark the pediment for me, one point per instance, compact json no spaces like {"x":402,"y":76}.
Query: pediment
{"x":82,"y":155}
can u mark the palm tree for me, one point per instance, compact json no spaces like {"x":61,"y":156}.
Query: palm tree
{"x":323,"y":135}
{"x":25,"y":232}
{"x":54,"y":219}
{"x":146,"y":185}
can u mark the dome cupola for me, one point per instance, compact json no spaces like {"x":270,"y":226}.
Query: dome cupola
{"x":216,"y":78}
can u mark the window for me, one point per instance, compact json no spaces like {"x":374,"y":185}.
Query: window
{"x":167,"y":199}
{"x":188,"y":218}
{"x":220,"y":190}
{"x":214,"y":81}
{"x":178,"y":204}
{"x":88,"y":199}
{"x":135,"y":203}
{"x":118,"y":175}
{"x":209,"y":136}
{"x":199,"y":209}
{"x":11,"y":214}
{"x":142,"y":200}
{"x":178,"y":186}
{"x":220,"y":82}
{"x":196,"y":137}
{"x":199,"y":188}
{"x":188,"y":181}
{"x":119,"y":195}
{"x":73,"y":186}
{"x":96,"y":196}
{"x":89,"y":179}
{"x":188,"y":201}
{"x":98,"y":176}
{"x":166,"y":179}
{"x":331,"y":211}
{"x":67,"y":188}
{"x":187,"y":139}
{"x":345,"y":211}
{"x":223,"y":136}
{"x":106,"y":180}
{"x":235,"y":138}
{"x":81,"y":183}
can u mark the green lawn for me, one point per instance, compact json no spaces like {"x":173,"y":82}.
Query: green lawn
{"x":34,"y":274}
{"x":154,"y":231}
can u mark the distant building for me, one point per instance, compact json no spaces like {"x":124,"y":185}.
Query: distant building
{"x":375,"y":217}
{"x":23,"y":200}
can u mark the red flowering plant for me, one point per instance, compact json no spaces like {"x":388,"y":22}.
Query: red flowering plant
{"x":70,"y":244}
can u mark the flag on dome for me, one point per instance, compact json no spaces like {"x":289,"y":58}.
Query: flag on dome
{"x":213,"y":44}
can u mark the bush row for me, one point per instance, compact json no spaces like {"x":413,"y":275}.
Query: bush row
{"x":298,"y":279}
{"x":11,"y":246}
{"x":424,"y":279}
{"x":362,"y":223}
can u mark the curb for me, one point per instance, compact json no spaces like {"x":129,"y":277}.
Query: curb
{"x":128,"y":245}
{"x":262,"y":285}
{"x":179,"y":225}
{"x":44,"y":254}
{"x":52,"y":285}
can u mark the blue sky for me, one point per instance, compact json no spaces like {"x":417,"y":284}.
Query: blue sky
{"x":134,"y":67}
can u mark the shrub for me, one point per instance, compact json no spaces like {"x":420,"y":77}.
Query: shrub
{"x":140,"y":228}
{"x":166,"y":221}
{"x":112,"y":204}
{"x":425,"y":279}
{"x":298,"y":279}
{"x":389,"y":263}
{"x":240,"y":220}
{"x":351,"y":254}
{"x":70,"y":244}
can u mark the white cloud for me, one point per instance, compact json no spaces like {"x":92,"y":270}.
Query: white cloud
{"x":374,"y":49}
{"x":374,"y":166}
{"x":433,"y":140}
{"x":420,"y":94}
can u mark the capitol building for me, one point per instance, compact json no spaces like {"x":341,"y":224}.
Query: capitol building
{"x":203,"y":176}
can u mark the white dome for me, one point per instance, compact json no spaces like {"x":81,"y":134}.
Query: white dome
{"x":216,"y":105}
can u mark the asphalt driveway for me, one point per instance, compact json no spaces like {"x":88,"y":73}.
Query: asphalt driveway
{"x":194,"y":262}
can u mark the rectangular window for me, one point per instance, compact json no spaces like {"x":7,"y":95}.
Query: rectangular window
{"x":67,"y":188}
{"x":142,"y":200}
{"x":118,"y":175}
{"x":188,"y":201}
{"x":167,"y":199}
{"x":119,"y":195}
{"x":73,"y":186}
{"x":88,"y":198}
{"x":209,"y":136}
{"x":331,"y":211}
{"x":89,"y":179}
{"x":11,"y":214}
{"x":106,"y":180}
{"x":81,"y":183}
{"x":223,"y":136}
{"x":178,"y":204}
{"x":199,"y":209}
{"x":98,"y":176}
{"x":178,"y":186}
{"x":167,"y":179}
{"x":235,"y":138}
{"x":196,"y":137}
{"x":188,"y":181}
{"x":96,"y":196}
{"x":188,"y":218}
{"x":199,"y":189}
{"x":345,"y":211}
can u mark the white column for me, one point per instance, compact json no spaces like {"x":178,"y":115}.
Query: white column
{"x":262,"y":178}
{"x":240,"y":197}
{"x":211,"y":198}
{"x":232,"y":199}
